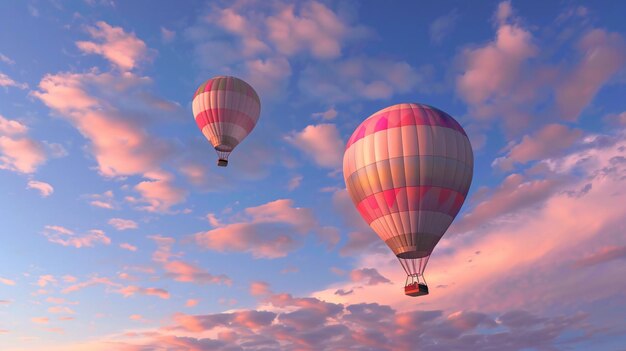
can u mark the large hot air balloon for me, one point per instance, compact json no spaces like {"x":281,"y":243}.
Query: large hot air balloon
{"x":226,"y":110}
{"x":408,"y":169}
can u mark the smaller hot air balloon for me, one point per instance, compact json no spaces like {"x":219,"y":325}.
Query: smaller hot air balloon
{"x":408,"y":169}
{"x":226,"y":109}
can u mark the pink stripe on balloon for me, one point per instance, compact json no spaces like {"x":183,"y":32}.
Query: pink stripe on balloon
{"x":424,"y":198}
{"x":413,"y":114}
{"x":217,"y":115}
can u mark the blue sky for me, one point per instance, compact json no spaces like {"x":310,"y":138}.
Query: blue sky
{"x":118,"y":228}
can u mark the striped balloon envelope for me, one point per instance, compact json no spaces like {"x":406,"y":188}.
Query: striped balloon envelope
{"x":226,"y":109}
{"x":408,"y":169}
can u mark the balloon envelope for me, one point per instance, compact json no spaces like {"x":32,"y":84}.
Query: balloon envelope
{"x":226,"y":109}
{"x":408,"y":169}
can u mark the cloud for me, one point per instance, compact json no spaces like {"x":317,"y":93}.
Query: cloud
{"x":192,"y":302}
{"x":514,"y":193}
{"x":88,"y":283}
{"x":45,"y":280}
{"x":122,"y":49}
{"x":294,"y":182}
{"x":442,"y":26}
{"x":6,"y":59}
{"x":6,"y":281}
{"x":327,"y":115}
{"x":104,"y":200}
{"x":259,"y":288}
{"x":314,"y":324}
{"x":65,"y":237}
{"x":44,"y":188}
{"x":368,"y":78}
{"x":550,"y":141}
{"x":185,"y":272}
{"x":102,"y":108}
{"x":60,"y":309}
{"x":267,"y":233}
{"x":368,"y":276}
{"x":506,"y":79}
{"x":602,"y":54}
{"x":129,"y":247}
{"x":119,"y":142}
{"x":10,"y":127}
{"x":18,"y":152}
{"x":321,"y":142}
{"x":603,"y":255}
{"x":6,"y":81}
{"x":40,"y":320}
{"x":122,"y":224}
{"x":167,"y":35}
{"x":312,"y":28}
{"x":131,"y":290}
{"x":158,"y":193}
{"x":494,"y":69}
{"x":22,"y":155}
{"x":617,"y":119}
{"x":258,"y":42}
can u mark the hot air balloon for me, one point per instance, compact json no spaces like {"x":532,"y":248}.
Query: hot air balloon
{"x":226,"y":109}
{"x":408,"y":169}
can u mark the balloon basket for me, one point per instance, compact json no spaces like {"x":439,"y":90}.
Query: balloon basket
{"x":222,"y":162}
{"x":416,"y":289}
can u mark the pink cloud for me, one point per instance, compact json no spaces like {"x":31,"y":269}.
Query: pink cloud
{"x":6,"y":281}
{"x":122,"y":224}
{"x":327,"y":115}
{"x":321,"y":142}
{"x":158,"y":193}
{"x":259,"y":288}
{"x":22,"y":155}
{"x":514,"y":193}
{"x":294,"y":182}
{"x":122,"y":49}
{"x":268,"y":233}
{"x":167,"y":35}
{"x":368,"y":276}
{"x":603,"y":255}
{"x":60,"y":301}
{"x":549,"y":141}
{"x":11,"y":127}
{"x":185,"y":272}
{"x":602,"y":55}
{"x":192,"y":302}
{"x":104,"y":200}
{"x":62,"y":236}
{"x":6,"y":59}
{"x":507,"y":79}
{"x":45,"y":280}
{"x":6,"y":81}
{"x":120,"y":145}
{"x":132,"y":290}
{"x":311,"y":27}
{"x":60,"y":309}
{"x":164,"y":248}
{"x":88,"y":283}
{"x":442,"y":26}
{"x":97,"y":105}
{"x":40,"y":320}
{"x":44,"y":188}
{"x":129,"y":247}
{"x":494,"y":69}
{"x":368,"y":78}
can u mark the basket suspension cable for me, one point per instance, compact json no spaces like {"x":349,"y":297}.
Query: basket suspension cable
{"x":406,"y":270}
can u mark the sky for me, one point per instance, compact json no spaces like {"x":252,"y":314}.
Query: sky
{"x":119,"y":232}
